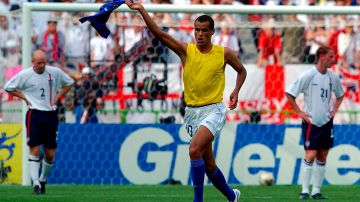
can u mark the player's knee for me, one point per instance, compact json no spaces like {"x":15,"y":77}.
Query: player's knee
{"x":49,"y":157}
{"x":310,"y":157}
{"x":194,"y":153}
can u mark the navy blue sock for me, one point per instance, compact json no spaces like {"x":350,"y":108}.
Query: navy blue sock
{"x":218,"y":180}
{"x":197,"y":175}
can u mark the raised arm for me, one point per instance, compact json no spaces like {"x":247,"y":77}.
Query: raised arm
{"x":231,"y":59}
{"x":177,"y":46}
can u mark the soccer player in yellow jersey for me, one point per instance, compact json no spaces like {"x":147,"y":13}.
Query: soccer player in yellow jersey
{"x":204,"y":83}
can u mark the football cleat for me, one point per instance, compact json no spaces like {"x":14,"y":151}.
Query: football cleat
{"x":42,"y":188}
{"x":304,"y":196}
{"x":237,"y":195}
{"x":36,"y":190}
{"x":319,"y":196}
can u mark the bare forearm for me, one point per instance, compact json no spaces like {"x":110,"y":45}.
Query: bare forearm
{"x":241,"y":76}
{"x":293,"y":103}
{"x":18,"y":94}
{"x":277,"y":57}
{"x":337,"y":103}
{"x":61,"y":93}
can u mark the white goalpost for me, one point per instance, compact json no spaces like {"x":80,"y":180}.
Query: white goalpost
{"x":28,"y":8}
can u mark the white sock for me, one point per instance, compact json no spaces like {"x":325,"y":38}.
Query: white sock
{"x":319,"y":175}
{"x":45,"y":169}
{"x":305,"y":173}
{"x":34,"y":166}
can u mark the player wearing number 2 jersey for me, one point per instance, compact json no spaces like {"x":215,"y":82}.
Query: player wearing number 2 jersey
{"x":41,"y":87}
{"x":318,"y":85}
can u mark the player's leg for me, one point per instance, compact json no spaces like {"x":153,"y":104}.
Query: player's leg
{"x":34,"y":142}
{"x":306,"y":169}
{"x":319,"y":173}
{"x":46,"y":165}
{"x":326,"y":141}
{"x":50,"y":145}
{"x":34,"y":167}
{"x":215,"y":175}
{"x":199,"y":142}
{"x":306,"y":172}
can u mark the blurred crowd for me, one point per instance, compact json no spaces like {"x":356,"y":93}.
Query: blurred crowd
{"x":256,"y":38}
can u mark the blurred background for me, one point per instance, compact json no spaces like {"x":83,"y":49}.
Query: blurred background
{"x":132,"y":72}
{"x":125,"y":111}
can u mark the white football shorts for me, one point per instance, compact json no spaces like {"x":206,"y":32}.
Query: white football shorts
{"x":211,"y":116}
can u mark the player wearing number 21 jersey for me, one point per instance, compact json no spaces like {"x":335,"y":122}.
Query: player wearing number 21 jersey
{"x":318,"y":85}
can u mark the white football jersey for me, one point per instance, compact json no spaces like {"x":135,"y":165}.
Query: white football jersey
{"x":40,"y":89}
{"x":317,"y":89}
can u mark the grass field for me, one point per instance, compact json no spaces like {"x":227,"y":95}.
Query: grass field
{"x":166,"y":193}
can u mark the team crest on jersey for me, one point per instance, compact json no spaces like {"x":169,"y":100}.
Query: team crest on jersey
{"x":307,"y":143}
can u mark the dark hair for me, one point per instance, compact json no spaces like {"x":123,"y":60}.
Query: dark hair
{"x":206,"y":18}
{"x":323,"y":50}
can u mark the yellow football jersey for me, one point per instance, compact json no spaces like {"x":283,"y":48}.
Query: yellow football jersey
{"x":204,"y":76}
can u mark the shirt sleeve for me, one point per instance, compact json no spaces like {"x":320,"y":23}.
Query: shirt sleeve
{"x":261,"y":43}
{"x":65,"y":79}
{"x":14,"y":83}
{"x":277,"y":43}
{"x":296,"y":87}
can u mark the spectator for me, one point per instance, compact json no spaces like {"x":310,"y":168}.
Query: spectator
{"x":346,"y":46}
{"x":180,"y":35}
{"x":293,"y":40}
{"x":186,"y":23}
{"x":129,"y":36}
{"x":316,"y":37}
{"x":5,"y":5}
{"x":235,"y":17}
{"x":227,"y":38}
{"x":88,"y":97}
{"x":101,"y":51}
{"x":176,"y":32}
{"x":163,"y":19}
{"x":255,"y":20}
{"x":39,"y":22}
{"x":52,"y":42}
{"x":77,"y":42}
{"x":13,"y":57}
{"x":6,"y":34}
{"x":357,"y":51}
{"x":269,"y":45}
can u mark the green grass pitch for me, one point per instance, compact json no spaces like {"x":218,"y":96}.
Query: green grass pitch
{"x":167,"y":193}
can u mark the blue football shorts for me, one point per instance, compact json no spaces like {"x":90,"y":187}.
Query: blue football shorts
{"x":42,"y":128}
{"x":318,"y":137}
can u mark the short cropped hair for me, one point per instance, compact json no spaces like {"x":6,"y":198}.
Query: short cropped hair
{"x":323,"y":50}
{"x":206,"y":18}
